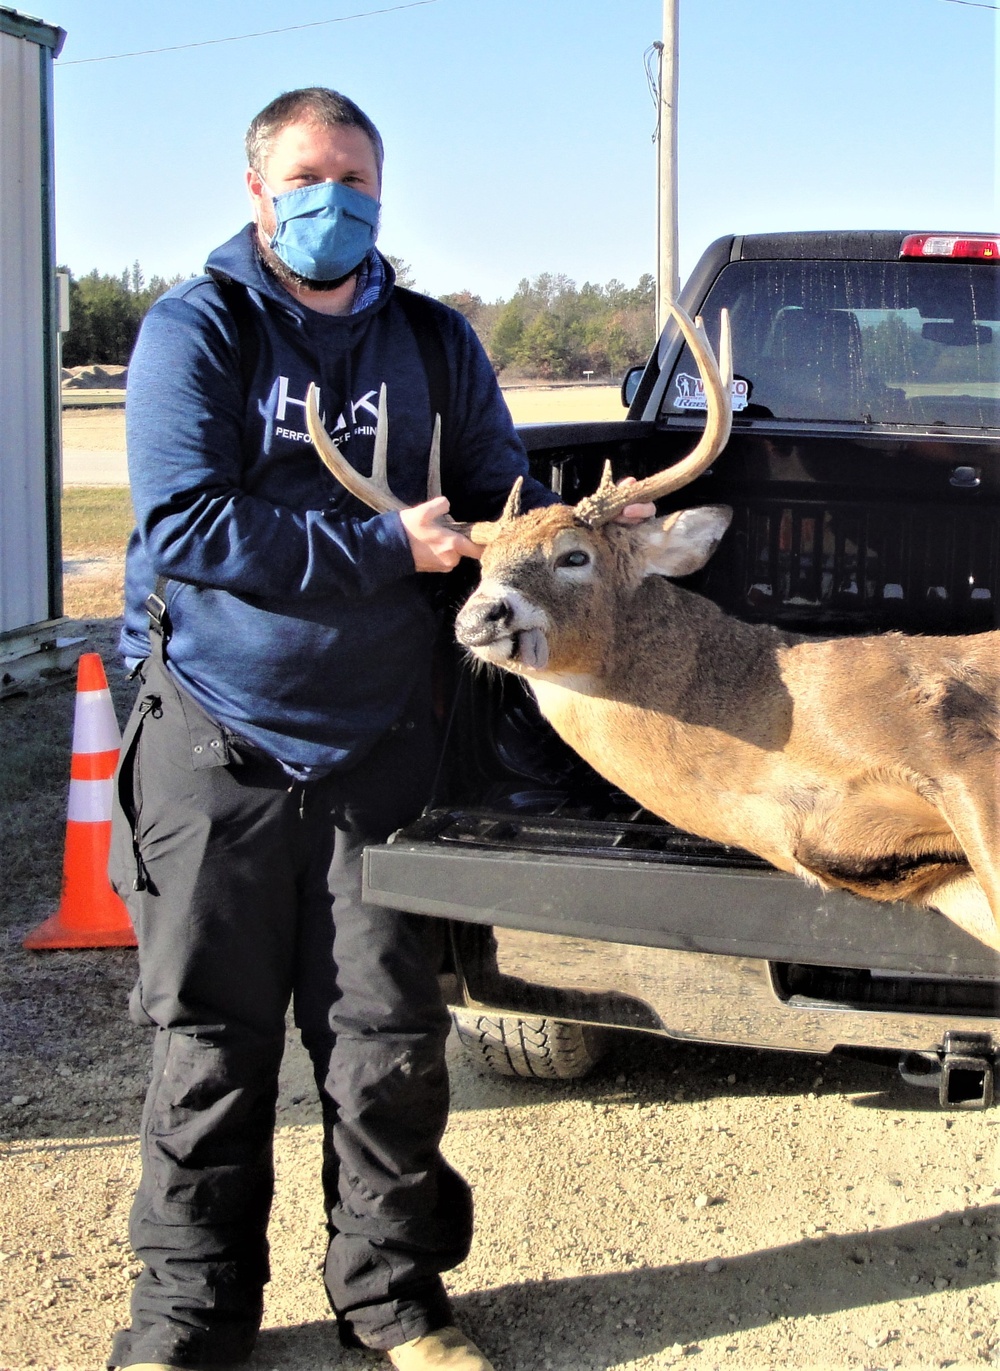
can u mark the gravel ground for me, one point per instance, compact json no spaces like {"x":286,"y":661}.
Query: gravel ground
{"x":685,"y":1206}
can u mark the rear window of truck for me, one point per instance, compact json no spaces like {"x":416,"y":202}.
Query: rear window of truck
{"x":908,"y":343}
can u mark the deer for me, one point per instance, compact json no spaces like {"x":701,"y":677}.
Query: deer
{"x":869,"y":764}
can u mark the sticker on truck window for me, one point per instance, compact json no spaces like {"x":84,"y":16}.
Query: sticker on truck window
{"x":691,"y":392}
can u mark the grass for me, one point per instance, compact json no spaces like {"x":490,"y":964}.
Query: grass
{"x":95,"y":594}
{"x":94,"y":428}
{"x":93,"y":399}
{"x":96,"y":520}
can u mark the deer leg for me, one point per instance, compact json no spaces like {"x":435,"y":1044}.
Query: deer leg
{"x":973,"y":811}
{"x":879,"y":839}
{"x":887,"y":843}
{"x":962,"y":900}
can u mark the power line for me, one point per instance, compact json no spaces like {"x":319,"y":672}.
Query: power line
{"x":973,"y":4}
{"x":241,"y":37}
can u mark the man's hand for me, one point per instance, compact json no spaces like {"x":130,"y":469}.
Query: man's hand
{"x":435,"y":547}
{"x":633,"y":514}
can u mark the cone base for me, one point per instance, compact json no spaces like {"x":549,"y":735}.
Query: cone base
{"x":53,"y":934}
{"x":90,"y":913}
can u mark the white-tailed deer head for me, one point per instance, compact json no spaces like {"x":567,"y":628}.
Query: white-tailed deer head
{"x":573,"y":563}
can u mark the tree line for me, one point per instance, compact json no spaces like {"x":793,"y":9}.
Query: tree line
{"x":105,"y":313}
{"x":549,"y":329}
{"x":552,"y":329}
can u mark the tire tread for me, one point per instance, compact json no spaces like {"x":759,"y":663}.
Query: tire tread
{"x":530,"y":1048}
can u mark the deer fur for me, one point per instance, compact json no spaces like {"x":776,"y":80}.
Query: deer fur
{"x":868,"y":763}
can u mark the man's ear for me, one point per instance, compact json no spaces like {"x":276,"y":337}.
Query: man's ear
{"x":254,"y":187}
{"x":682,"y":543}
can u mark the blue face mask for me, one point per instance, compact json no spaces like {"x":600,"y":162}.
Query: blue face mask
{"x":324,"y":231}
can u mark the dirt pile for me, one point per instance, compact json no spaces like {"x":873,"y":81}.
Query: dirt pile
{"x":94,"y":377}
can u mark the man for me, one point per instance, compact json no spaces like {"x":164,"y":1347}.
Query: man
{"x":283,"y":645}
{"x":284,"y":720}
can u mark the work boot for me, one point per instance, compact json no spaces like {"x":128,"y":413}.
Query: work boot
{"x":446,"y":1349}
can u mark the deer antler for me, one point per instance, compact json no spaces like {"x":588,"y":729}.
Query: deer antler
{"x":609,"y":499}
{"x":373,"y":490}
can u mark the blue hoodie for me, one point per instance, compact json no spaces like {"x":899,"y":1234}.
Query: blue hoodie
{"x":297,"y":619}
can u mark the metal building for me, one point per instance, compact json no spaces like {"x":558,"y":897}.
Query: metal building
{"x":30,"y":457}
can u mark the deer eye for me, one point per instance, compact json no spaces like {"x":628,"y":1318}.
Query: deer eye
{"x":575,"y":558}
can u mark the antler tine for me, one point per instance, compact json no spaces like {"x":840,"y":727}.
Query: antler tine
{"x":607,"y":485}
{"x":484,"y":531}
{"x":434,"y":462}
{"x":380,"y":454}
{"x":512,"y":508}
{"x":604,"y":504}
{"x":372,"y":491}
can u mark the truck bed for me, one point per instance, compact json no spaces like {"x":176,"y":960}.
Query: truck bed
{"x":568,"y":899}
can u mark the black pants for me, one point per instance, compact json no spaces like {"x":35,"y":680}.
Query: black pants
{"x":249,"y":897}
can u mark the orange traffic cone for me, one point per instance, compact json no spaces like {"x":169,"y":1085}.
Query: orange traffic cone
{"x":90,"y":914}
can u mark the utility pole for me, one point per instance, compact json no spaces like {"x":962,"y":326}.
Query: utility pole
{"x":667,"y":278}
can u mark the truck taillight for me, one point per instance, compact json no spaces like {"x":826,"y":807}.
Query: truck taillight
{"x":969,"y":249}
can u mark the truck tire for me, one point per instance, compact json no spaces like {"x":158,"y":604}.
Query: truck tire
{"x":542,"y":1049}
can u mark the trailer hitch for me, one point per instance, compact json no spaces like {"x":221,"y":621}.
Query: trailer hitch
{"x":962,"y":1070}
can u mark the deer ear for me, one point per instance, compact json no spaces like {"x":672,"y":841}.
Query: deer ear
{"x":682,"y":543}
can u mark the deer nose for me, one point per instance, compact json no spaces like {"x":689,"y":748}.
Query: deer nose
{"x":499,"y":612}
{"x":479,"y":624}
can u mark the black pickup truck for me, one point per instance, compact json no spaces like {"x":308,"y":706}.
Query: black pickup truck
{"x":864,"y":471}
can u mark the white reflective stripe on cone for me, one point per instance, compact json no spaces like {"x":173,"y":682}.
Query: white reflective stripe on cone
{"x":95,"y":727}
{"x":90,"y":801}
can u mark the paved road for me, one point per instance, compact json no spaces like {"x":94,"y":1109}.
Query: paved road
{"x":94,"y":467}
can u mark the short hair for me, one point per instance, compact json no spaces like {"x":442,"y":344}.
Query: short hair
{"x":315,"y":104}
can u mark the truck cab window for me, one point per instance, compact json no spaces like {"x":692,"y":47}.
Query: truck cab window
{"x":914,"y":344}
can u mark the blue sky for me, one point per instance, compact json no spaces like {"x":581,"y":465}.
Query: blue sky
{"x":519,"y":132}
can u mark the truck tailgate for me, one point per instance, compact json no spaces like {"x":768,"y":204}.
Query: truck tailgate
{"x":611,"y":882}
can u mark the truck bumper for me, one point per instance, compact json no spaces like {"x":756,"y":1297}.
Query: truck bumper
{"x":692,"y":952}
